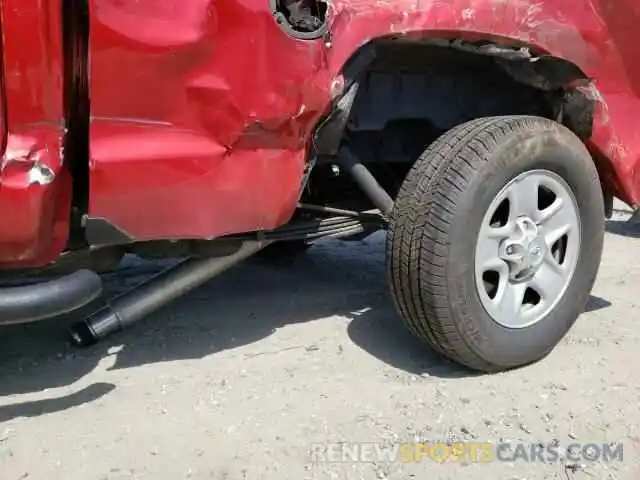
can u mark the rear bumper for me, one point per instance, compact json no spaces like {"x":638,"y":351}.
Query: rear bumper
{"x":31,"y":303}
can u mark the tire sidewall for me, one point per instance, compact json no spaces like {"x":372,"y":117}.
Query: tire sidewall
{"x":557,"y":151}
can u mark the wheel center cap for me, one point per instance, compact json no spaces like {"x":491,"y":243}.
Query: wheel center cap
{"x":524,"y":251}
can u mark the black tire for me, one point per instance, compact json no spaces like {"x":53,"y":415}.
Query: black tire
{"x":285,"y":250}
{"x":434,"y":226}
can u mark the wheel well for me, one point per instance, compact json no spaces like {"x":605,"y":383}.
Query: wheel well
{"x":401,"y":95}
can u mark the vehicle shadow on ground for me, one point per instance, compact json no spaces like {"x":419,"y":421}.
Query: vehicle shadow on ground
{"x":36,"y":408}
{"x":623,"y":228}
{"x":242,"y":306}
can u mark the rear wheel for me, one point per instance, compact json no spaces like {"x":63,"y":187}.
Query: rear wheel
{"x":495,"y":240}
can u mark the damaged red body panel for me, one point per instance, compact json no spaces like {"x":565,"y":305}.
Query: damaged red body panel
{"x":202,"y":112}
{"x":34,"y":184}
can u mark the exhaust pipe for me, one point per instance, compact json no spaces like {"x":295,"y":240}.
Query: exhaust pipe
{"x":155,"y":293}
{"x":30,"y":303}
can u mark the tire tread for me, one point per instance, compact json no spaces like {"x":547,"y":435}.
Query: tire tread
{"x":418,"y":240}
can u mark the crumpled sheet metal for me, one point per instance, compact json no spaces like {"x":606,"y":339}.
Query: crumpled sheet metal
{"x":210,"y":119}
{"x":202,"y":111}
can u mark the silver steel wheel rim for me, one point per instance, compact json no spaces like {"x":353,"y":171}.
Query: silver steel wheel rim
{"x":527,"y":248}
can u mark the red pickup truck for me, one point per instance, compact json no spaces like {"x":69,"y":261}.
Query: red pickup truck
{"x":487,"y":137}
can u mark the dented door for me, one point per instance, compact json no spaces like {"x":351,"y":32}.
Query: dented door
{"x":201,"y":111}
